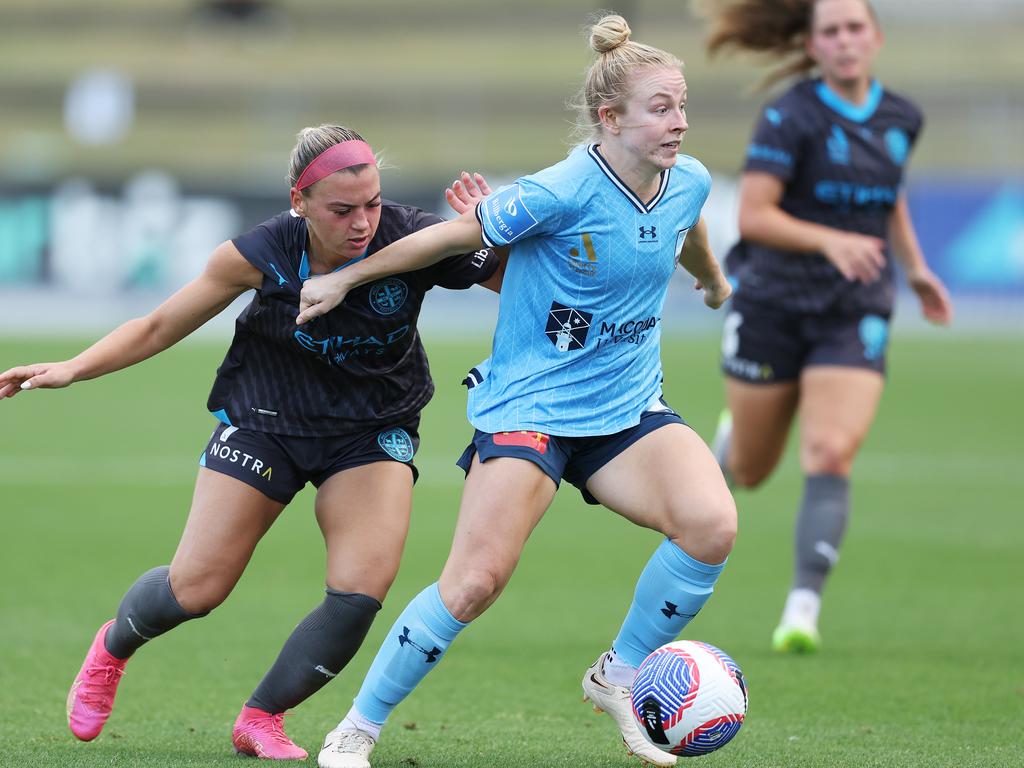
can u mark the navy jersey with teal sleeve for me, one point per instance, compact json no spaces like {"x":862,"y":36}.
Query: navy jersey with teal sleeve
{"x":576,"y":348}
{"x":842,"y":166}
{"x":360,"y":364}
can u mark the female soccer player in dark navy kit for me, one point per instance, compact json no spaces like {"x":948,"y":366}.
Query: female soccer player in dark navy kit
{"x":334,"y":402}
{"x":822,"y":213}
{"x":573,"y":386}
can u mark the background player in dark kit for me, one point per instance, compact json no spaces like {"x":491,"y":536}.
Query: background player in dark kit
{"x":335,"y":402}
{"x":822,"y":213}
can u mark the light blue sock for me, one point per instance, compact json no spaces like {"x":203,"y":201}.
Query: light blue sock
{"x":672,"y":589}
{"x":412,"y":648}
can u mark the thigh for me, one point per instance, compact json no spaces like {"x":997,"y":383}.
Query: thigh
{"x":837,"y":406}
{"x":227,"y":519}
{"x":670,"y":482}
{"x":503,"y":500}
{"x":363,"y":513}
{"x":761,"y":419}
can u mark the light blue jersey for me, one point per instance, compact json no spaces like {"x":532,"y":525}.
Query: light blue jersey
{"x":576,"y":349}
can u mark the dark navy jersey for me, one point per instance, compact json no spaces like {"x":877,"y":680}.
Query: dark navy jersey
{"x":360,"y":364}
{"x":842,"y":166}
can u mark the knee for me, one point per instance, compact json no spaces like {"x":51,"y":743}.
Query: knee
{"x":707,"y":530}
{"x":749,"y":476}
{"x":197,"y":596}
{"x":473,"y":591}
{"x":828,"y":455}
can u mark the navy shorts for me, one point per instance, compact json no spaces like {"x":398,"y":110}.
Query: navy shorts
{"x":763,"y":345}
{"x":279,"y":466}
{"x":573,"y":458}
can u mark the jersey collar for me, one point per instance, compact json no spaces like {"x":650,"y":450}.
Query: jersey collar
{"x":852,"y":112}
{"x":623,"y":188}
{"x":304,"y":265}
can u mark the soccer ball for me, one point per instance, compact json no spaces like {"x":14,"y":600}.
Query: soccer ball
{"x":689,"y":698}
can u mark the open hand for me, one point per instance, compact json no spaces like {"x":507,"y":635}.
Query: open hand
{"x":36,"y":376}
{"x":466,"y":191}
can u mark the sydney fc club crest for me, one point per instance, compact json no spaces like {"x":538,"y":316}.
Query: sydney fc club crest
{"x":397,"y":444}
{"x":388,"y":296}
{"x":567,"y":327}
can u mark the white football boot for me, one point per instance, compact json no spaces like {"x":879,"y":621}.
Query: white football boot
{"x":614,"y":700}
{"x":346,"y":749}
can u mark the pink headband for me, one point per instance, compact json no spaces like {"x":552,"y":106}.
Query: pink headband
{"x":340,"y":156}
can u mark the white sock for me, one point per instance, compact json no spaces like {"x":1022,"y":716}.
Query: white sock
{"x":617,"y":671}
{"x":802,"y":607}
{"x":355,"y":721}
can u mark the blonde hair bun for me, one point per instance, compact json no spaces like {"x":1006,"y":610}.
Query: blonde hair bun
{"x":609,"y":33}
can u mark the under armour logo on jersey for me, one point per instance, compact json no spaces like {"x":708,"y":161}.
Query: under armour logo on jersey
{"x":432,"y":655}
{"x":671,"y":609}
{"x":651,"y":232}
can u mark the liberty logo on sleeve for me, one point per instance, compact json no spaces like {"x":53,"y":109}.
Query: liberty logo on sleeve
{"x":508,"y":215}
{"x":567,"y":327}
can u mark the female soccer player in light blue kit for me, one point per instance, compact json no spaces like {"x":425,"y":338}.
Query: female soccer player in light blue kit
{"x":573,"y":386}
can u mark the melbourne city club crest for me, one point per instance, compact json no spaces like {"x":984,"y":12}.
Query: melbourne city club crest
{"x":567,"y":327}
{"x":397,"y":444}
{"x":388,"y":296}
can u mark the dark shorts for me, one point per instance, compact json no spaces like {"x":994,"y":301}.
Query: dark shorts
{"x":571,"y":458}
{"x":279,"y":466}
{"x":762,"y":344}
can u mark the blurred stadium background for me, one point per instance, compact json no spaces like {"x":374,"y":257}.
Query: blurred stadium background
{"x":138,"y":135}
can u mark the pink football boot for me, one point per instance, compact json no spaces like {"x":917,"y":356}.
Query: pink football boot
{"x":91,"y":697}
{"x":261,"y":734}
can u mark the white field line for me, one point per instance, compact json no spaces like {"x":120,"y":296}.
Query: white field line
{"x":165,"y":471}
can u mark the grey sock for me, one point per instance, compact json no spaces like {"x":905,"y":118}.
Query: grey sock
{"x":147,"y":610}
{"x":820,"y":526}
{"x":319,"y":648}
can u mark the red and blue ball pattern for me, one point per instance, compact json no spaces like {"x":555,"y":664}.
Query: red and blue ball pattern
{"x":667,"y":688}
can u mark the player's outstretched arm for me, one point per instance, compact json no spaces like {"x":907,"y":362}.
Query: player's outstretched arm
{"x":416,"y":251}
{"x":936,"y":306}
{"x":697,"y":259}
{"x":227,"y":276}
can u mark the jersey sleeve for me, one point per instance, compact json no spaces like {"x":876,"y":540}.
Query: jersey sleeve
{"x":520,"y":210}
{"x":702,"y":188}
{"x":466,"y":270}
{"x":267,"y":247}
{"x":455,"y":272}
{"x":256,"y":245}
{"x":775,"y":145}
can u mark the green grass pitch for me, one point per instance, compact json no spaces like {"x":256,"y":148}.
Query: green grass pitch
{"x":923,"y":659}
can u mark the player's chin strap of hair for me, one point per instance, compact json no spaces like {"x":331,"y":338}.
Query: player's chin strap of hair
{"x":336,"y":158}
